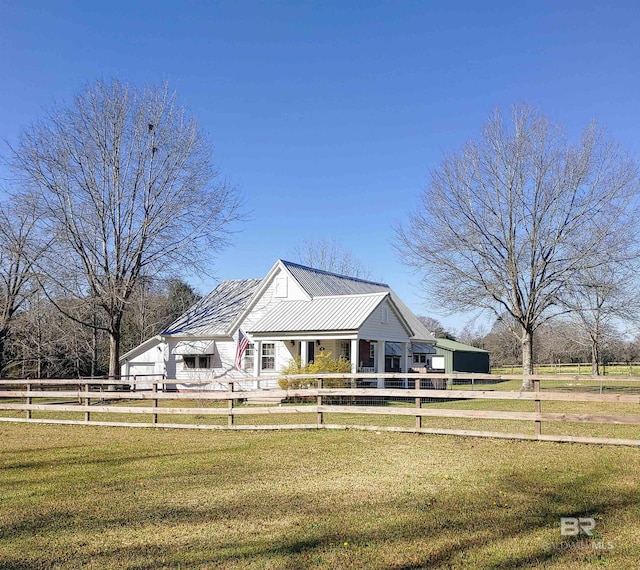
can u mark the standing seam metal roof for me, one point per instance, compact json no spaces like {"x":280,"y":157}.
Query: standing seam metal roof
{"x":318,"y":283}
{"x":344,"y":312}
{"x":212,"y":315}
{"x":322,"y":283}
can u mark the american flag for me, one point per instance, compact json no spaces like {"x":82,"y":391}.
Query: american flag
{"x":243,"y":342}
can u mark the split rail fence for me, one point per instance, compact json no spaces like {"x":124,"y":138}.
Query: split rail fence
{"x":564,"y":409}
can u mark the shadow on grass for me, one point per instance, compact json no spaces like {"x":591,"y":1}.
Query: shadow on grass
{"x":414,"y":532}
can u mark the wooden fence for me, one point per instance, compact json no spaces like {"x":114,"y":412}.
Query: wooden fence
{"x":575,"y":401}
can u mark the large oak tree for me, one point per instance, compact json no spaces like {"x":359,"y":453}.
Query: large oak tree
{"x":125,"y":187}
{"x":511,"y":221}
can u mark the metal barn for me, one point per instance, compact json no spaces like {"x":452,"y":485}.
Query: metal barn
{"x":460,"y":357}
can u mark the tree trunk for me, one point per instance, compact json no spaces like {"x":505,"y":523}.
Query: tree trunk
{"x":595,"y":358}
{"x":527,"y":358}
{"x":94,"y":349}
{"x":3,"y":339}
{"x":114,"y":353}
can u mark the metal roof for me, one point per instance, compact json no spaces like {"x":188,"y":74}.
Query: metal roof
{"x":318,"y":283}
{"x":323,"y":283}
{"x":447,"y":344}
{"x":214,"y":313}
{"x":418,"y":348}
{"x":337,"y":302}
{"x":335,"y":313}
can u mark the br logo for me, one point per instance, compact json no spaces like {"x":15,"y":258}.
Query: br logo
{"x":571,"y":526}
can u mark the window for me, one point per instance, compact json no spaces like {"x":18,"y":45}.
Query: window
{"x":385,"y":315}
{"x":268,"y":356}
{"x":192,"y":361}
{"x":419,"y":358}
{"x":248,"y":357}
{"x":345,"y":350}
{"x":372,"y":353}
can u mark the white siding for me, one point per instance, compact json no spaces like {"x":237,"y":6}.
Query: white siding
{"x":374,"y":328}
{"x":270,"y":297}
{"x":150,"y":361}
{"x":223,"y":371}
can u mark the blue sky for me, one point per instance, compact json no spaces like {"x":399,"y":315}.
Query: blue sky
{"x":329,"y":115}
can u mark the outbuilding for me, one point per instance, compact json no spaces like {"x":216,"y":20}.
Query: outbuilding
{"x":454,"y":356}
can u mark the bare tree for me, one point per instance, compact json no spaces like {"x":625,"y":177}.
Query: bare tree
{"x":154,"y":305}
{"x":600,"y":297}
{"x":435,"y":327}
{"x":127,"y":189}
{"x":507,"y":223}
{"x":330,"y":256}
{"x":18,"y":253}
{"x":473,"y":334}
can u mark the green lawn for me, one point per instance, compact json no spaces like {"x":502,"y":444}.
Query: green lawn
{"x":607,"y":370}
{"x":91,"y":497}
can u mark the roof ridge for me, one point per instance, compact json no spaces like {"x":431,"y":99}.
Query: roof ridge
{"x":337,"y":296}
{"x":340,"y":275}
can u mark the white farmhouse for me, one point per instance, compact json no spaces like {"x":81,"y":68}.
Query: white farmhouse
{"x":294,"y":311}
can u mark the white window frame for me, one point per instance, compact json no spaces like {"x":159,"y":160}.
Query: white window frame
{"x":249,"y":355}
{"x":268,"y":355}
{"x":200,"y":361}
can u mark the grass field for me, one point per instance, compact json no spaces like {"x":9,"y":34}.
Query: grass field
{"x":606,"y":370}
{"x":91,"y":497}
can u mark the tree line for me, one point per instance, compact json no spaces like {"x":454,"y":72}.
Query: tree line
{"x":562,"y":341}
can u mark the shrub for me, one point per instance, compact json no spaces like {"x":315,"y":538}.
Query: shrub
{"x":323,"y":364}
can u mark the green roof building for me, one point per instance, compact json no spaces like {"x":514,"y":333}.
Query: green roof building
{"x":460,"y":357}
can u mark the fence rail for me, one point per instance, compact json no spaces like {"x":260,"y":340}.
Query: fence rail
{"x":578,"y":404}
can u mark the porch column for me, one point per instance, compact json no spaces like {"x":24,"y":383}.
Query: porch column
{"x":257,"y":351}
{"x":304,"y":352}
{"x":380,"y":363}
{"x":354,"y":355}
{"x":405,"y":363}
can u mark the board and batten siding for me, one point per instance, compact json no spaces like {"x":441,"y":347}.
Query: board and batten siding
{"x":377,"y":327}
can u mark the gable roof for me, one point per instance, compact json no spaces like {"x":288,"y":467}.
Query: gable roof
{"x":223,"y":310}
{"x":317,"y":282}
{"x":214,"y":313}
{"x":334,"y":313}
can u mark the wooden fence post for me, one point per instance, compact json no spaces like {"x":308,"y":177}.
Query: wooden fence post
{"x":155,"y":403}
{"x":418,"y":404}
{"x":87,"y":402}
{"x":230,"y":406}
{"x":28,"y":400}
{"x":538,"y":407}
{"x":319,"y":402}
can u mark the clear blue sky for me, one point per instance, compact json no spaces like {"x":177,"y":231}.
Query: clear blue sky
{"x":328,"y":115}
